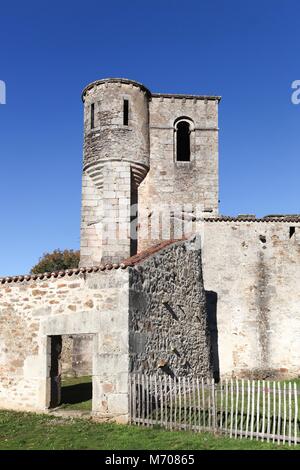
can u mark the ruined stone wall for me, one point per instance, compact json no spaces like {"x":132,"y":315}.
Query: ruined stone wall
{"x":77,"y":355}
{"x":251,"y":273}
{"x":191,"y":188}
{"x":168,"y":322}
{"x":31,"y":311}
{"x":136,"y":162}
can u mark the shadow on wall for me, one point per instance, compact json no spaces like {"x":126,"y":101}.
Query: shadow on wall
{"x":211,"y":303}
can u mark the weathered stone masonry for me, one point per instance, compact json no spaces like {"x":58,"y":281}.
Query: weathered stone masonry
{"x":136,"y":162}
{"x":168,"y":322}
{"x":119,"y":306}
{"x":229,"y":308}
{"x":252,"y":267}
{"x":31,"y":311}
{"x":76,"y":355}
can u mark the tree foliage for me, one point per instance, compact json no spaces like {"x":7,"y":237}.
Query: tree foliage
{"x":56,"y":261}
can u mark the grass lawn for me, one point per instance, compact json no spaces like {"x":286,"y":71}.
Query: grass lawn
{"x":33,"y":431}
{"x":76,"y":393}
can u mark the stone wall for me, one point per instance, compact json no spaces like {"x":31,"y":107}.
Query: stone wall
{"x":121,"y":160}
{"x":158,"y":296}
{"x":251,"y":273}
{"x":189,"y":188}
{"x":168,"y":322}
{"x":77,"y":355}
{"x":32,"y":311}
{"x":116,"y":159}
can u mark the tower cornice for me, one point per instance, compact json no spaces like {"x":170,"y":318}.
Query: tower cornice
{"x":125,"y":81}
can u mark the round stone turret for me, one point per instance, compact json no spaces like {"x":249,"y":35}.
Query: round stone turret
{"x":116,"y":160}
{"x":116,"y":126}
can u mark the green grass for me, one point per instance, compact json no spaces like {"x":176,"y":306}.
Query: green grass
{"x":293,"y":381}
{"x":76,"y":393}
{"x":231,"y":412}
{"x":33,"y":431}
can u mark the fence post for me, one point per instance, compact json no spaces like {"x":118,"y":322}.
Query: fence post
{"x":274,"y":411}
{"x":134,"y":398}
{"x":203,"y":403}
{"x":242,"y":409}
{"x":257,"y":409}
{"x":252,"y":410}
{"x":175,"y":403}
{"x":231,"y":407}
{"x":248,"y":406}
{"x":179,"y":387}
{"x":184,"y":400}
{"x":171,"y":403}
{"x":148,"y":396}
{"x":199,"y":404}
{"x":143,"y":400}
{"x":194,"y":402}
{"x":149,"y":391}
{"x":290,"y":413}
{"x":161,"y":401}
{"x":151,"y":400}
{"x":130,"y":398}
{"x":190,"y":402}
{"x":279,"y":413}
{"x":226,"y":405}
{"x":139,"y":398}
{"x":264,"y":409}
{"x":213,"y":403}
{"x":236,"y":407}
{"x":209,"y":403}
{"x":166,"y":401}
{"x":269,"y":412}
{"x":156,"y":398}
{"x":296,"y":414}
{"x":284,"y":412}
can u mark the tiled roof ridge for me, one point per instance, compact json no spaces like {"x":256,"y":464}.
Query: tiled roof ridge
{"x":128,"y":262}
{"x":139,"y":257}
{"x":61,"y":273}
{"x":225,"y":218}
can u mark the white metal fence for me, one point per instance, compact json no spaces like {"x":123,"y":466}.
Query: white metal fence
{"x":257,"y":409}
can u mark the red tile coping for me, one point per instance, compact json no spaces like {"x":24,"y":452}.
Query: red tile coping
{"x":139,"y":257}
{"x":132,"y":261}
{"x":149,"y":251}
{"x":249,"y":218}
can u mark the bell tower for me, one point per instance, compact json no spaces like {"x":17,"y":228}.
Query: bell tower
{"x":152,"y":151}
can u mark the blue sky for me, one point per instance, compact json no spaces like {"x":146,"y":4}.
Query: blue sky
{"x":246,"y":51}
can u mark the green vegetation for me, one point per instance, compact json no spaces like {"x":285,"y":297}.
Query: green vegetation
{"x":33,"y":431}
{"x":293,"y":381}
{"x":76,"y":393}
{"x":58,"y":260}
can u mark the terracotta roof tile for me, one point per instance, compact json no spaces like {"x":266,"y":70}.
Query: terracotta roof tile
{"x":139,"y":257}
{"x":132,"y":261}
{"x":271,"y":218}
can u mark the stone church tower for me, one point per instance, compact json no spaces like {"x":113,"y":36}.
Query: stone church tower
{"x":148,"y":151}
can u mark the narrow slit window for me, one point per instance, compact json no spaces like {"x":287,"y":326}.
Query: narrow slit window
{"x":125,"y":112}
{"x":92,"y":115}
{"x":292,"y":231}
{"x":183,"y":146}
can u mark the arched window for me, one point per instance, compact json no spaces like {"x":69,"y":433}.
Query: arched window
{"x":183,"y":144}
